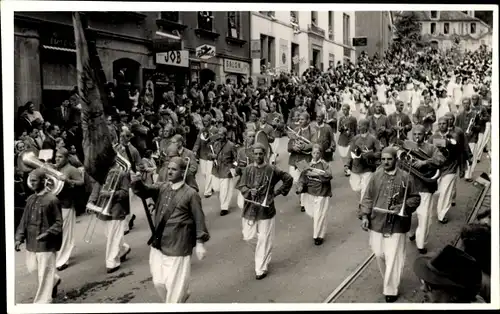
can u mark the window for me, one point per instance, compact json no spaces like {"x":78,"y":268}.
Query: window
{"x":172,"y":16}
{"x":420,"y":26}
{"x":234,"y":24}
{"x":205,"y":20}
{"x":314,"y":18}
{"x":434,"y":14}
{"x":472,"y":28}
{"x":294,"y":17}
{"x":331,"y":19}
{"x":295,"y":58}
{"x":267,"y":53}
{"x":346,"y":29}
{"x":433,"y":28}
{"x":446,"y":28}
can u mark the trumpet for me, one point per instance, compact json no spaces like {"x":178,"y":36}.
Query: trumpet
{"x":264,"y":201}
{"x":299,"y":140}
{"x":54,"y":183}
{"x":358,"y":152}
{"x":103,"y":204}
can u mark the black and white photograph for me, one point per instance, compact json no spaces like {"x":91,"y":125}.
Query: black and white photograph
{"x":240,"y":160}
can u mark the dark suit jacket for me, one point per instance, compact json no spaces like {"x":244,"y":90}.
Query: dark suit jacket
{"x":226,"y":155}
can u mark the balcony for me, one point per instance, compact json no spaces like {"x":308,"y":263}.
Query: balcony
{"x":318,"y":31}
{"x":170,"y":25}
{"x":200,"y":32}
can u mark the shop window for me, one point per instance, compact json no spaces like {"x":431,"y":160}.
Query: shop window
{"x":234,"y":24}
{"x":205,"y":20}
{"x":446,"y":29}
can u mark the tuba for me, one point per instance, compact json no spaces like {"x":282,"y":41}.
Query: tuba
{"x":406,"y":158}
{"x":103,"y":203}
{"x":53,"y":183}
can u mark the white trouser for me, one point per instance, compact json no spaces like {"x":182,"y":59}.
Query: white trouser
{"x":45,"y":264}
{"x":225,"y":187}
{"x":317,"y":208}
{"x":359,"y":182}
{"x":263,"y":230}
{"x":470,"y":168}
{"x":206,"y":171}
{"x":446,"y":184}
{"x":390,"y":254}
{"x":133,"y":200}
{"x":68,"y":236}
{"x":170,"y":276}
{"x":343,"y":151}
{"x":240,"y":200}
{"x":483,"y":140}
{"x":424,"y":215}
{"x":295,"y":173}
{"x":115,"y":245}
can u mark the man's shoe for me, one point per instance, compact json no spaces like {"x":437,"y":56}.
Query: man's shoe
{"x":224,"y":212}
{"x":112,"y":270}
{"x":391,"y":298}
{"x":422,"y":251}
{"x":318,"y":241}
{"x":123,"y":258}
{"x":444,"y":221}
{"x":131,"y":222}
{"x":412,"y":238}
{"x":54,"y":289}
{"x":62,"y":267}
{"x":302,"y":209}
{"x":261,"y":276}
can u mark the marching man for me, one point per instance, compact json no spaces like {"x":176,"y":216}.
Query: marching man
{"x":388,"y":231}
{"x":317,"y":190}
{"x":41,"y":228}
{"x":347,"y":129}
{"x":257,"y":184}
{"x":201,"y":149}
{"x":245,"y":157}
{"x":179,"y":227}
{"x":116,"y":248}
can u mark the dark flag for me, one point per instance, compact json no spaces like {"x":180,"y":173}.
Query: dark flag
{"x":97,"y":141}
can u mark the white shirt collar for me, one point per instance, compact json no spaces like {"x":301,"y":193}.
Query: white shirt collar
{"x":176,"y":186}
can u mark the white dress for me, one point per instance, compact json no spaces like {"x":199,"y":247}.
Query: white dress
{"x":444,"y":107}
{"x":381,"y":90}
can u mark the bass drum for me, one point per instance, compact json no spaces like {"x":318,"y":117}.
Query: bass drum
{"x":261,"y":137}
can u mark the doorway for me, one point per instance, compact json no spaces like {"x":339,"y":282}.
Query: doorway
{"x":206,"y":75}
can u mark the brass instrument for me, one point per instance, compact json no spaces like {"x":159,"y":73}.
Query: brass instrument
{"x":391,"y":215}
{"x":103,"y":203}
{"x":299,"y":140}
{"x":213,"y":152}
{"x":53,"y":183}
{"x":188,"y":162}
{"x":406,"y":159}
{"x":264,"y":202}
{"x":358,"y":152}
{"x":399,"y":124}
{"x":472,"y":123}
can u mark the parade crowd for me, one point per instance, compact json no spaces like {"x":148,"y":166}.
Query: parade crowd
{"x":412,"y":99}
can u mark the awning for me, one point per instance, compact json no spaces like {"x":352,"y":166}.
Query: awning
{"x":58,"y":48}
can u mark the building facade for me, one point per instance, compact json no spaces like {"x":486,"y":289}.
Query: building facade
{"x":162,"y":48}
{"x":377,"y":27}
{"x":291,"y":41}
{"x":444,"y":29}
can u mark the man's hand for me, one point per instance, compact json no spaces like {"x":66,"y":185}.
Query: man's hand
{"x":200,"y":251}
{"x":135,"y":176}
{"x":277,"y":193}
{"x":42,"y":236}
{"x":106,"y":193}
{"x":328,"y":150}
{"x":365,"y":223}
{"x":396,"y":208}
{"x":212,"y":156}
{"x":419,"y":164}
{"x":253,"y":192}
{"x":17,"y":246}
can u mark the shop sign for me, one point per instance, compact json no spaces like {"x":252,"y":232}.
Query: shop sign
{"x":205,"y":52}
{"x":60,"y":39}
{"x":233,"y":66}
{"x":178,"y":58}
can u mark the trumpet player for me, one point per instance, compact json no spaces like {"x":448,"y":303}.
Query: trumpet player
{"x":257,"y":185}
{"x":201,"y":149}
{"x":116,"y":248}
{"x":245,"y":157}
{"x":348,"y":126}
{"x":41,"y":228}
{"x":173,"y":151}
{"x":425,"y":115}
{"x":223,"y":171}
{"x":448,"y":144}
{"x":400,"y":124}
{"x":388,"y":228}
{"x":363,"y":152}
{"x":325,"y":137}
{"x":314,"y":184}
{"x":299,"y":147}
{"x":72,"y":178}
{"x":425,"y":189}
{"x":179,"y":227}
{"x":379,"y":125}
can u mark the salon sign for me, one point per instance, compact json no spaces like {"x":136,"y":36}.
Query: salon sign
{"x":238,"y":67}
